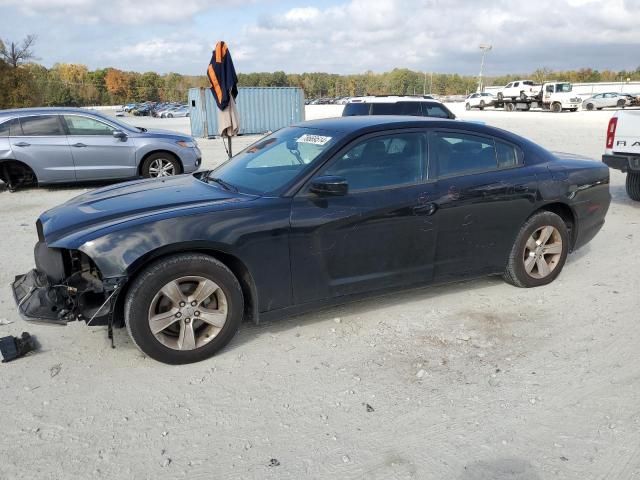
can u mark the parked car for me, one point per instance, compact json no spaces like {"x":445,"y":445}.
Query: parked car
{"x":520,"y":89}
{"x":605,"y":100}
{"x":622,"y":150}
{"x":312,"y":215}
{"x":62,"y":145}
{"x":396,"y":105}
{"x":178,"y":112}
{"x":479,"y":100}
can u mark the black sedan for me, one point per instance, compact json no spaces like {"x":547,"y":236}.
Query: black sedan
{"x":313,"y":215}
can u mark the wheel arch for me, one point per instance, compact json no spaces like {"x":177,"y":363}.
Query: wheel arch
{"x":159,"y":150}
{"x":566,"y":213}
{"x":231,"y":261}
{"x":11,"y":163}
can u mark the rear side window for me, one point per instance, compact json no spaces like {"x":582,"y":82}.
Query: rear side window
{"x":434,"y":110}
{"x":507,"y":155}
{"x":4,"y":128}
{"x":385,"y":108}
{"x":459,"y":153}
{"x":41,"y":126}
{"x":354,"y":109}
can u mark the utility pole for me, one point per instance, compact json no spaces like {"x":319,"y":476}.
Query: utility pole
{"x":424,"y":85}
{"x":431,"y":85}
{"x":485,"y":47}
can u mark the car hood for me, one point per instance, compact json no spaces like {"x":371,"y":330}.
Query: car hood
{"x":133,"y":200}
{"x":158,"y":132}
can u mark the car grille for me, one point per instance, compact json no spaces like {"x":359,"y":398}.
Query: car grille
{"x":575,"y":100}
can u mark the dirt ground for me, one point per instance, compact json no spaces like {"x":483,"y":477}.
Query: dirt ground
{"x":478,"y":380}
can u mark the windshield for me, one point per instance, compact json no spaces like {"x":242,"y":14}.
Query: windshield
{"x":564,"y":87}
{"x":273,"y":161}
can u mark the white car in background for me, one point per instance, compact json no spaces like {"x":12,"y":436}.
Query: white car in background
{"x":520,"y":89}
{"x":479,"y":100}
{"x":605,"y":100}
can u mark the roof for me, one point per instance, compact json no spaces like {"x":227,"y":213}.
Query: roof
{"x":362,"y":124}
{"x":54,"y":110}
{"x":371,"y":122}
{"x":391,"y":99}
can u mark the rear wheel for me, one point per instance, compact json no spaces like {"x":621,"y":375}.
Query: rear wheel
{"x":510,"y":107}
{"x":170,"y":115}
{"x":16,"y":175}
{"x":161,"y":164}
{"x":621,"y":103}
{"x":482,"y":104}
{"x":539,"y":252}
{"x":184,"y":308}
{"x":633,"y":185}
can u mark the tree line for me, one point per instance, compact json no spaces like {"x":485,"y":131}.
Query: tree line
{"x":25,"y":83}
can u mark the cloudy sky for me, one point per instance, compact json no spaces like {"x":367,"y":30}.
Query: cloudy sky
{"x":341,"y":36}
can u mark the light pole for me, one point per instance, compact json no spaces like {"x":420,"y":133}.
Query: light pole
{"x":485,"y":47}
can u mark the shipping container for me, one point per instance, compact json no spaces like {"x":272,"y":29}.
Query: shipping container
{"x":261,"y":109}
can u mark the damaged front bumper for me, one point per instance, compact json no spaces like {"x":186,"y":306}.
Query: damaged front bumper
{"x":39,"y":301}
{"x":80,"y":297}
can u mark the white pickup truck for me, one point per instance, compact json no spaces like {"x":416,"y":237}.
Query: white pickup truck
{"x":623,"y":148}
{"x":520,"y":90}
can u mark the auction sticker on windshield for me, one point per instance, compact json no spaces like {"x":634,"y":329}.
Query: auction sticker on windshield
{"x":314,"y":139}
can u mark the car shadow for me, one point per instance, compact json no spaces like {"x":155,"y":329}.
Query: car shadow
{"x":361,"y":307}
{"x":500,"y":469}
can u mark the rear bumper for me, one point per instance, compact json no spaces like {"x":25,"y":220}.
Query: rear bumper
{"x":623,"y":163}
{"x":40,"y":302}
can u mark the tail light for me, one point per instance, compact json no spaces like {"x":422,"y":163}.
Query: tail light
{"x":611,"y":131}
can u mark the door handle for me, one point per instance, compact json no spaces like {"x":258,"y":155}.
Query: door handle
{"x":78,"y":145}
{"x":427,"y":209}
{"x":521,"y":188}
{"x":22,"y":144}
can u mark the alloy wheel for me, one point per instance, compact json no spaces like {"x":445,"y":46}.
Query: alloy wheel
{"x":542,"y":252}
{"x":162,"y":167}
{"x":187,"y":313}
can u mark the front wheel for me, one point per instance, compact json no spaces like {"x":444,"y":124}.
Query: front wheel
{"x":590,"y":107}
{"x":467,"y":107}
{"x":160,"y":165}
{"x":539,"y":252}
{"x":184,"y":308}
{"x":556,"y":108}
{"x":633,"y":185}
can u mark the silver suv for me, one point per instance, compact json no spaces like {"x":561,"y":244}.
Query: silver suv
{"x":64,"y":145}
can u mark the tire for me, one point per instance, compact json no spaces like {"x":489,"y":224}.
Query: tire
{"x":165,"y":345}
{"x":556,"y":107}
{"x":621,"y":103}
{"x":160,"y":164}
{"x":482,"y":104}
{"x":517,"y":272}
{"x":467,"y":107}
{"x":590,"y":107}
{"x":170,"y":115}
{"x":510,"y":107}
{"x":500,"y":96}
{"x":633,"y":185}
{"x":523,"y":96}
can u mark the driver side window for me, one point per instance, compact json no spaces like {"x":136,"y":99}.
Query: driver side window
{"x":382,"y":162}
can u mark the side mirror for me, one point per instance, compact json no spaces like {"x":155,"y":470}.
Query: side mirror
{"x":119,"y":134}
{"x":329,"y":185}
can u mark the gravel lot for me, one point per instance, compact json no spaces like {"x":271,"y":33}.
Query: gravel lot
{"x":478,"y":380}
